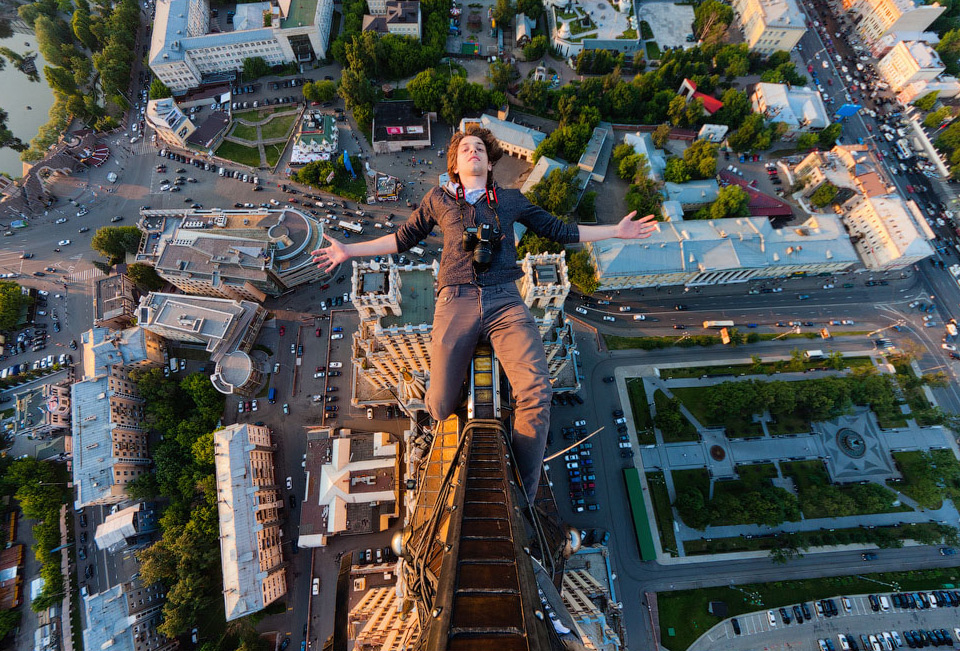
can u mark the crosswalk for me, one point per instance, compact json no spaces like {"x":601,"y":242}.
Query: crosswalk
{"x":86,"y":274}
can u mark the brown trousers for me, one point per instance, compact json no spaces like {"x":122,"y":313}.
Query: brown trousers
{"x":463,"y":314}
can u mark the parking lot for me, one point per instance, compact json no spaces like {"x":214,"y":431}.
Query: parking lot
{"x":756,"y":630}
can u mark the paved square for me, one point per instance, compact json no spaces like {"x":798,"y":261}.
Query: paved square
{"x":670,"y":23}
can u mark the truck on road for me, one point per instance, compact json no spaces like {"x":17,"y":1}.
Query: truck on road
{"x":718,"y":324}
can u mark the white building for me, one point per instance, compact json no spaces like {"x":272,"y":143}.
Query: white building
{"x":799,"y":107}
{"x":713,"y":252}
{"x":185,"y":53}
{"x":945,"y":87}
{"x":909,"y":62}
{"x":770,"y":25}
{"x":249,"y":505}
{"x":400,"y":17}
{"x":885,"y":235}
{"x":877,"y":18}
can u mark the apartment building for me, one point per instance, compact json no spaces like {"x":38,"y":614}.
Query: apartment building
{"x":884,"y":232}
{"x":244,"y":254}
{"x":250,"y":506}
{"x":770,"y":25}
{"x":106,"y":419}
{"x":125,"y":618}
{"x":721,"y":251}
{"x":544,"y":288}
{"x":109,"y":440}
{"x":227,"y":329}
{"x":877,"y":18}
{"x":114,"y":301}
{"x":910,"y":62}
{"x":189,"y":48}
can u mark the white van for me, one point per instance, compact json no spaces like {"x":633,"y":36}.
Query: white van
{"x":222,"y":171}
{"x":884,"y":603}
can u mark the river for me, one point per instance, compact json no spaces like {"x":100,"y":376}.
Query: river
{"x":19,"y":93}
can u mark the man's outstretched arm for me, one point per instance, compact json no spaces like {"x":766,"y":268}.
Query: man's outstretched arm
{"x":337,"y":253}
{"x":627,"y":229}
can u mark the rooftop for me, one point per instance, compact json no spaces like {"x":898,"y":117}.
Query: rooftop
{"x":92,"y":440}
{"x":735,"y":243}
{"x":692,"y":192}
{"x":783,"y":13}
{"x":417,"y":299}
{"x":796,"y":106}
{"x":208,"y":130}
{"x":925,"y":56}
{"x":510,"y":132}
{"x":541,"y":170}
{"x":399,"y":120}
{"x":301,"y":12}
{"x":642,"y":143}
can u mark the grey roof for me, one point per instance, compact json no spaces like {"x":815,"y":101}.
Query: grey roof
{"x":171,"y":38}
{"x":642,"y":143}
{"x":115,"y":348}
{"x":593,"y":159}
{"x":108,"y":621}
{"x":692,"y":192}
{"x":92,"y":441}
{"x":513,"y":133}
{"x":714,"y":245}
{"x":541,"y":170}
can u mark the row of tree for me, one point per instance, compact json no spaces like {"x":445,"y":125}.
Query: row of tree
{"x":12,"y":301}
{"x":100,"y":40}
{"x":759,"y":502}
{"x":186,"y":559}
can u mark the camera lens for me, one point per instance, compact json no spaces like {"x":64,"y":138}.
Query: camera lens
{"x":482,"y":257}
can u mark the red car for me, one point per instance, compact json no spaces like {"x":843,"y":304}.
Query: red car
{"x":318,"y":332}
{"x":324,"y":287}
{"x":910,"y":189}
{"x":283,"y":330}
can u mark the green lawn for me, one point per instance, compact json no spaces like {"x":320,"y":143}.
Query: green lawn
{"x":278,"y":127}
{"x":809,"y":475}
{"x":653,"y":51}
{"x":737,"y":425}
{"x":686,"y":613}
{"x":662,"y":511}
{"x":788,"y":424}
{"x":688,"y":433}
{"x":645,"y":30}
{"x":273,"y":153}
{"x":928,"y":477}
{"x":249,"y":156}
{"x":241,"y":130}
{"x":641,"y":413}
{"x":765,"y":368}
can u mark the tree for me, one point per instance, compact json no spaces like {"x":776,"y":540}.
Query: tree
{"x":835,"y":360}
{"x":501,"y":74}
{"x":828,"y":137}
{"x":536,"y":48}
{"x":644,"y":196}
{"x":556,"y":193}
{"x":824,"y":195}
{"x":807,"y":141}
{"x":677,"y":171}
{"x":701,"y":159}
{"x":691,"y":505}
{"x":12,"y":301}
{"x":534,"y":244}
{"x":661,"y":135}
{"x":752,"y":134}
{"x":530,"y":8}
{"x":81,"y":27}
{"x":115,"y":242}
{"x":581,"y":271}
{"x":462,"y":97}
{"x":736,"y":107}
{"x":319,"y":91}
{"x":731,"y":202}
{"x":158,"y":90}
{"x":145,"y":276}
{"x":9,"y":621}
{"x":938,"y":117}
{"x":709,"y":15}
{"x":788,"y":546}
{"x":427,"y":90}
{"x":534,"y":94}
{"x":144,"y":487}
{"x":587,"y":208}
{"x":60,"y":80}
{"x":51,"y":38}
{"x":255,"y":67}
{"x":949,"y":50}
{"x":503,"y":13}
{"x":928,"y":101}
{"x":356,"y":90}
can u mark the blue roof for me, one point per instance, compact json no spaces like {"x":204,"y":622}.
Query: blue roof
{"x":92,"y":439}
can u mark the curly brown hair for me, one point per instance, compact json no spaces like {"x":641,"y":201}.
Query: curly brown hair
{"x":494,"y":152}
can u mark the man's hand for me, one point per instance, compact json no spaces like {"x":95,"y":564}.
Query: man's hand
{"x":631,"y":229}
{"x":328,"y":258}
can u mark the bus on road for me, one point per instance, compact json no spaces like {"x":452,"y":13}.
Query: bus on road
{"x":718,"y":324}
{"x":350,"y":226}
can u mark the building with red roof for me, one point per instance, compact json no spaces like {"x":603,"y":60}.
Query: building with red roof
{"x":688,"y":89}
